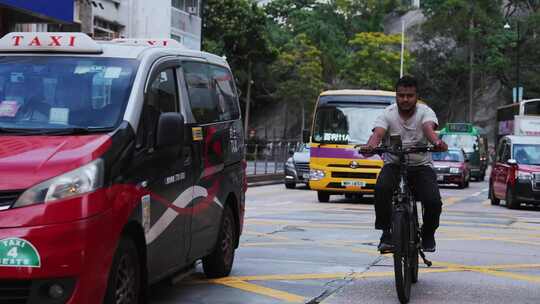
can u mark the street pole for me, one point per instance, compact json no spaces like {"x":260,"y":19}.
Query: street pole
{"x":402,"y":47}
{"x":517,"y":62}
{"x":471,"y":73}
{"x":248,"y":101}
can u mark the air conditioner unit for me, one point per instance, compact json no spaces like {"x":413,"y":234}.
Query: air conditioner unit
{"x":192,"y":10}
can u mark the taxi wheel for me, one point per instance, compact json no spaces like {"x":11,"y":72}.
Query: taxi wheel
{"x":323,"y":197}
{"x":219,"y":262}
{"x":124,"y":286}
{"x":494,"y":200}
{"x":290,"y":185}
{"x":511,"y":201}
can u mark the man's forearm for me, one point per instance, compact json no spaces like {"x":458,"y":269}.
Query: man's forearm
{"x":376,"y":138}
{"x":429,"y":132}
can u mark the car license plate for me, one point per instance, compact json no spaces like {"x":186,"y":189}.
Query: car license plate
{"x":440,"y":177}
{"x":353,"y":184}
{"x":305,"y":175}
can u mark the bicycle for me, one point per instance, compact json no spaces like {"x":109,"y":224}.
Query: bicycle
{"x":406,"y":236}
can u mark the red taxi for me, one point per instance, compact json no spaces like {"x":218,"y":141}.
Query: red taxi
{"x":452,"y":167}
{"x":515,"y":176}
{"x":121,"y":163}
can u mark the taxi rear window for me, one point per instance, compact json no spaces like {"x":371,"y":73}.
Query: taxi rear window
{"x":60,"y":91}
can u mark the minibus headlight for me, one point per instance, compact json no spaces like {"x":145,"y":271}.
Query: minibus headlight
{"x":79,"y":181}
{"x":316,"y":175}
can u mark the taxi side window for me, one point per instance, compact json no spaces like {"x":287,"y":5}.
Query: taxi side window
{"x":212,"y":93}
{"x":161,"y":97}
{"x":203,"y":104}
{"x":500,"y":150}
{"x":506,"y":153}
{"x":225,"y":93}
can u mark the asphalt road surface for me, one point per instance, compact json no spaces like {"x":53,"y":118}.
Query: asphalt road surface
{"x":297,"y":250}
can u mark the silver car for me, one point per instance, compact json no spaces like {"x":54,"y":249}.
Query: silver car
{"x":297,"y":167}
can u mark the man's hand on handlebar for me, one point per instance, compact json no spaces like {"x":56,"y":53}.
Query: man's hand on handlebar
{"x":440,"y":146}
{"x":365,"y":149}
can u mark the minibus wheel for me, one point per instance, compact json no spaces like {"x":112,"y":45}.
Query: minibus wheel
{"x":323,"y":197}
{"x":124,"y":285}
{"x":219,"y":262}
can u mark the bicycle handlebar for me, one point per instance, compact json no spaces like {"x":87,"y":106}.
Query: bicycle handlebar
{"x":399,"y":151}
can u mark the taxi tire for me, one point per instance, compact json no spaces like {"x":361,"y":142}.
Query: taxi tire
{"x":511,"y":201}
{"x":125,"y":269}
{"x":323,"y":197}
{"x":219,"y":263}
{"x":494,"y":200}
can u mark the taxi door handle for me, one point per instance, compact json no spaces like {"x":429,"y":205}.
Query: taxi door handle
{"x":187,"y":156}
{"x":142,"y":185}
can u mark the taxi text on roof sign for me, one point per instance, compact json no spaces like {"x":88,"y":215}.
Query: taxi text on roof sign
{"x":49,"y":42}
{"x":159,"y":42}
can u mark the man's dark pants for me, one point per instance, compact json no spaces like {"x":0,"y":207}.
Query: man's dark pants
{"x":422,"y":181}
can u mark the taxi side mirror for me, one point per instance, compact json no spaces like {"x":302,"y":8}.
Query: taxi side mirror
{"x":511,"y":162}
{"x":170,"y":130}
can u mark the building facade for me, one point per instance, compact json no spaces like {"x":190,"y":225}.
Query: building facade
{"x":16,"y":12}
{"x":108,"y":19}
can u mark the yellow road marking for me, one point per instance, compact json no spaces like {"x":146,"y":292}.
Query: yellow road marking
{"x":266,"y":235}
{"x":263,"y":244}
{"x":514,"y":266}
{"x":273,"y":293}
{"x":490,"y":271}
{"x":449,"y":201}
{"x":363,"y":225}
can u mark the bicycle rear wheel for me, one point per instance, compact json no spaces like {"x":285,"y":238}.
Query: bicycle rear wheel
{"x":402,"y":258}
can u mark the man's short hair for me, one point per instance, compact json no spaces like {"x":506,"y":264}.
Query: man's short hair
{"x":407,"y":81}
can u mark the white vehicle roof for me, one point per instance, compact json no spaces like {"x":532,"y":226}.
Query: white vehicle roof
{"x":80,"y":44}
{"x":527,"y":140}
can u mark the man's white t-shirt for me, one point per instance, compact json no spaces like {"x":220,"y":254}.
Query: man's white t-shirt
{"x":410,"y":130}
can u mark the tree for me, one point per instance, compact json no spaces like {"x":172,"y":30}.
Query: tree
{"x":375,"y":63}
{"x":237,"y":29}
{"x":299,"y":70}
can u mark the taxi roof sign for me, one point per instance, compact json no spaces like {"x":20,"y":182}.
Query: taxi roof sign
{"x":49,"y":42}
{"x":158,"y":42}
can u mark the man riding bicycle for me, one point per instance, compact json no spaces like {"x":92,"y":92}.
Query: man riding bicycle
{"x":416,"y":124}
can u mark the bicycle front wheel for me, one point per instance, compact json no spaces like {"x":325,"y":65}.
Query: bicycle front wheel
{"x":402,"y":258}
{"x":415,"y":235}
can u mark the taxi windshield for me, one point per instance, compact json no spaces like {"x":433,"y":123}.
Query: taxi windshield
{"x":46,"y":93}
{"x":527,"y":154}
{"x":449,"y":156}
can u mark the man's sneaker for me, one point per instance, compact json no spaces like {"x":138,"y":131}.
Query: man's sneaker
{"x":385,"y":245}
{"x":428,"y":242}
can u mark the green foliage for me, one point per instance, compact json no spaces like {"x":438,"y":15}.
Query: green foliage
{"x":299,"y":72}
{"x":375,"y":63}
{"x":238,"y":30}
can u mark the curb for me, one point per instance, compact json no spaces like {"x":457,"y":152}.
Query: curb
{"x":264,"y":179}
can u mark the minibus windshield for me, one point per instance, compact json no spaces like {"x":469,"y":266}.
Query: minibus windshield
{"x":345,"y":124}
{"x":463,"y":141}
{"x":60,"y":94}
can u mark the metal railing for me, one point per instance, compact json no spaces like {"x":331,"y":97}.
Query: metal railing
{"x":268,"y":157}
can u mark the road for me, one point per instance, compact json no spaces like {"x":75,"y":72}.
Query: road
{"x":296,"y":250}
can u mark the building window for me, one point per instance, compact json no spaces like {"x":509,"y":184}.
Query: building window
{"x":179,"y":4}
